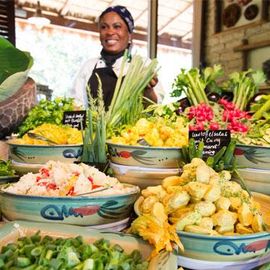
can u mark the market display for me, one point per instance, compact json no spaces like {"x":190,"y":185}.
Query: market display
{"x":194,"y":195}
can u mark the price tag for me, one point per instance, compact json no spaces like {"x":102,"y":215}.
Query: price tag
{"x":76,"y":119}
{"x":213,"y":140}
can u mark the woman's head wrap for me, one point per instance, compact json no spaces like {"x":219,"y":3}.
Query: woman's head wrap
{"x":123,"y":13}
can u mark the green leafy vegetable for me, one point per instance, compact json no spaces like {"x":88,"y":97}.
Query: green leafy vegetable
{"x":6,"y":168}
{"x":46,"y":112}
{"x":127,"y":102}
{"x":94,"y":142}
{"x":193,"y":83}
{"x":244,"y":86}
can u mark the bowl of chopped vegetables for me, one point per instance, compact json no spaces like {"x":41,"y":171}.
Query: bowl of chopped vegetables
{"x":68,"y":194}
{"x":55,"y":246}
{"x":47,"y":142}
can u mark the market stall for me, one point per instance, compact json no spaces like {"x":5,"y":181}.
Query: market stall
{"x":197,"y":173}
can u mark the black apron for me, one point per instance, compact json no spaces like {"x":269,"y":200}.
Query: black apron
{"x":108,"y":80}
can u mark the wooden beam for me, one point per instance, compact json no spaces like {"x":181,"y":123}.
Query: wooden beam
{"x":63,"y":11}
{"x":162,"y":29}
{"x":250,"y":46}
{"x":93,"y":27}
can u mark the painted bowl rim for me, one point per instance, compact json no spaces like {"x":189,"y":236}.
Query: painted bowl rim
{"x":253,"y":170}
{"x":72,"y":198}
{"x":44,"y":146}
{"x":142,"y":146}
{"x":222,"y":237}
{"x":252,"y":146}
{"x":144,"y":169}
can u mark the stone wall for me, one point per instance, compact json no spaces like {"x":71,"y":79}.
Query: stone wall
{"x":219,"y":48}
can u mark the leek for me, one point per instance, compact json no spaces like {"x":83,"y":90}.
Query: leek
{"x":127,"y":102}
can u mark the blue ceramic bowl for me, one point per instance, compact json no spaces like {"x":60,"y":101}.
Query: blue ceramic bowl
{"x":80,"y":210}
{"x":224,"y":248}
{"x":144,"y":156}
{"x":253,"y":156}
{"x":40,"y":154}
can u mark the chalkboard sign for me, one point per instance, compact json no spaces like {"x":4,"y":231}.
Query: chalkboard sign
{"x":76,"y":119}
{"x":213,"y":140}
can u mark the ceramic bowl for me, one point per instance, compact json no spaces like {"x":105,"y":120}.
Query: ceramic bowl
{"x":24,"y":168}
{"x":254,"y":157}
{"x":80,"y":210}
{"x":10,"y":232}
{"x":256,"y":179}
{"x":40,"y":154}
{"x":141,"y":176}
{"x":224,"y":248}
{"x":9,"y":179}
{"x":229,"y":248}
{"x":144,"y":156}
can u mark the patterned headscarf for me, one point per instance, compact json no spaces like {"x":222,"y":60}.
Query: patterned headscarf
{"x":123,"y":13}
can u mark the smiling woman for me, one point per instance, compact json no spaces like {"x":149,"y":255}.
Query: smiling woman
{"x":115,"y":28}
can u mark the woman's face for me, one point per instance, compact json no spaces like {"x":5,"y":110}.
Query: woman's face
{"x":114,"y":35}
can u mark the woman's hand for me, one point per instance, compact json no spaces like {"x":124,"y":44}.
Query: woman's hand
{"x":153,"y":82}
{"x":149,"y":90}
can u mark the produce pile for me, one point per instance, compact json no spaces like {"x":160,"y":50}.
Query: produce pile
{"x":209,"y":105}
{"x":62,"y":179}
{"x":155,"y":131}
{"x":47,"y":111}
{"x":45,"y":252}
{"x":199,"y":201}
{"x":48,"y":134}
{"x":235,"y":104}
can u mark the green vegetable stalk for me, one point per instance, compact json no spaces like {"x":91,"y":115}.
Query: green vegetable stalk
{"x":193,"y":83}
{"x":94,"y":141}
{"x":127,"y":102}
{"x":244,"y":85}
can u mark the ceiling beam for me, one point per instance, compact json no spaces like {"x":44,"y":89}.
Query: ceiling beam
{"x":64,"y":10}
{"x":89,"y":24}
{"x":162,"y":29}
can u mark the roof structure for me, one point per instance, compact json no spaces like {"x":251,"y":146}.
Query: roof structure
{"x":175,"y":17}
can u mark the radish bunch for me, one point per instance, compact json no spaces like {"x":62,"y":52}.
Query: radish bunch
{"x":223,"y":115}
